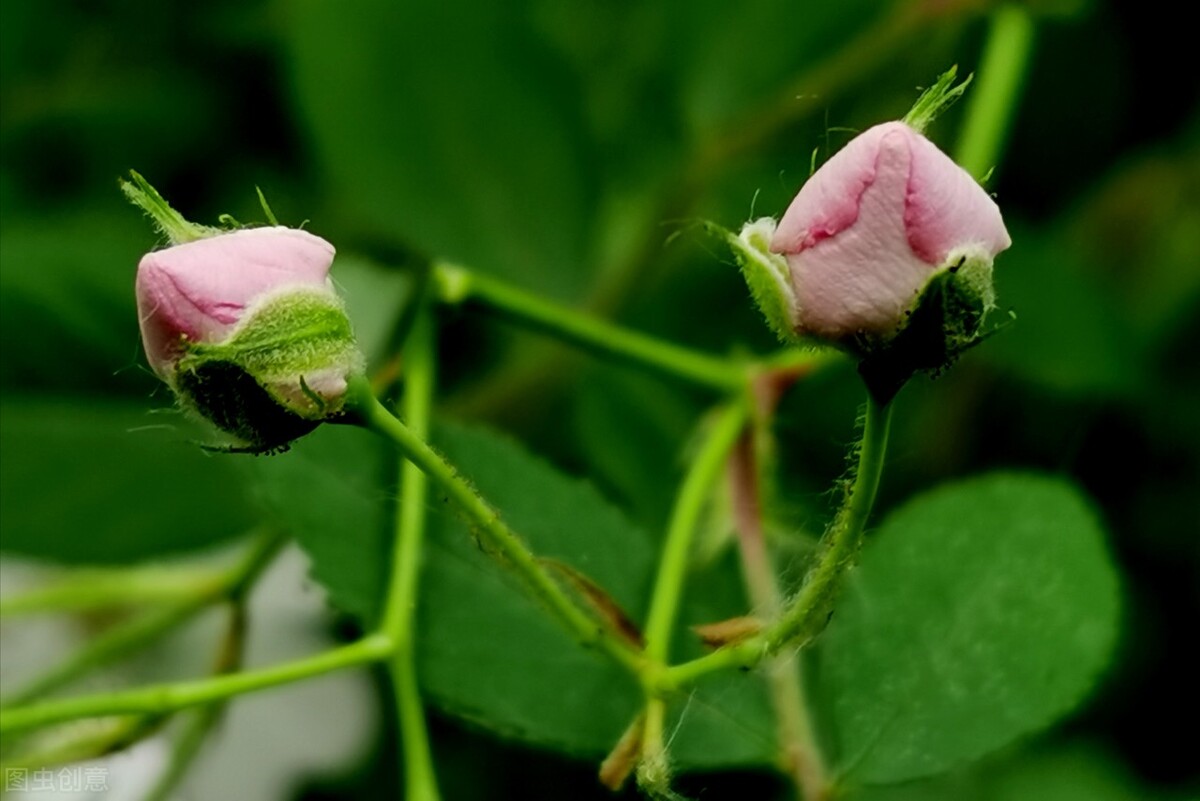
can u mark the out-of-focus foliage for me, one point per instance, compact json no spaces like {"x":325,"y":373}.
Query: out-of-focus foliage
{"x":561,"y":146}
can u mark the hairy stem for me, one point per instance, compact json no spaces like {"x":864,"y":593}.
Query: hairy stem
{"x":806,"y":614}
{"x":370,"y":413}
{"x":840,"y":546}
{"x":654,"y":767}
{"x":459,"y":286}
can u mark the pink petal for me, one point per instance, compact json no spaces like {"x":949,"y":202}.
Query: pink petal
{"x":199,"y":290}
{"x":864,"y":276}
{"x":867,"y":231}
{"x":828,"y":203}
{"x":947,"y":208}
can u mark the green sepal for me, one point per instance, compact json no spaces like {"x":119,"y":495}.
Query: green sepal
{"x":253,"y":384}
{"x":170,"y":223}
{"x":231,"y":399}
{"x":766,"y":273}
{"x":936,"y":99}
{"x":946,"y":320}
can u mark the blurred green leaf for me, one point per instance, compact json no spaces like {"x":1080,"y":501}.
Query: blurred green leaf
{"x":730,"y":59}
{"x":1075,"y":774}
{"x":1055,"y":773}
{"x":66,"y":295}
{"x":374,"y":298}
{"x":981,"y":611}
{"x":110,"y":482}
{"x":451,"y":126}
{"x":632,"y":429}
{"x":1068,"y":334}
{"x":1139,"y":236}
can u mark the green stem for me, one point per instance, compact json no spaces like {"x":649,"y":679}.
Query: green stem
{"x":842,"y":542}
{"x":170,"y":697}
{"x":992,"y":102}
{"x":374,"y":416}
{"x":90,"y":742}
{"x":186,"y":748}
{"x":808,"y":611}
{"x":459,"y":286}
{"x":126,"y":638}
{"x":400,"y":613}
{"x":693,"y":494}
{"x":118,"y":641}
{"x":800,"y":755}
{"x":654,"y":769}
{"x":106,"y":589}
{"x":195,"y":733}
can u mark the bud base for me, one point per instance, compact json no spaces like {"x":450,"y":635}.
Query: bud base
{"x":281,"y":372}
{"x":945,"y":322}
{"x":229,"y":397}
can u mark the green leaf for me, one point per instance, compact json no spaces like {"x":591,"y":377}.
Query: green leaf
{"x":1068,"y":334}
{"x":981,"y":612}
{"x":733,"y":59}
{"x":111,"y":482}
{"x":451,"y":126}
{"x":500,"y":659}
{"x":632,"y":430}
{"x":67,"y":305}
{"x":486,"y":651}
{"x":725,"y":721}
{"x":374,"y":298}
{"x":333,"y":491}
{"x":1075,"y":772}
{"x":1066,"y":774}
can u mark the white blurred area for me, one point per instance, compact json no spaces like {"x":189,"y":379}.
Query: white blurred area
{"x":267,"y":744}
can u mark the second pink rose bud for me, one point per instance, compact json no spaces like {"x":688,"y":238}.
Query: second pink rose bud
{"x":870,"y":229}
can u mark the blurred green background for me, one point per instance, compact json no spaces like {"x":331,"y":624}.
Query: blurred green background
{"x":567,"y":146}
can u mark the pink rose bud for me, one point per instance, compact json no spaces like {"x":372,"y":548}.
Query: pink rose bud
{"x":873,"y":226}
{"x":244,"y":325}
{"x":199,"y":291}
